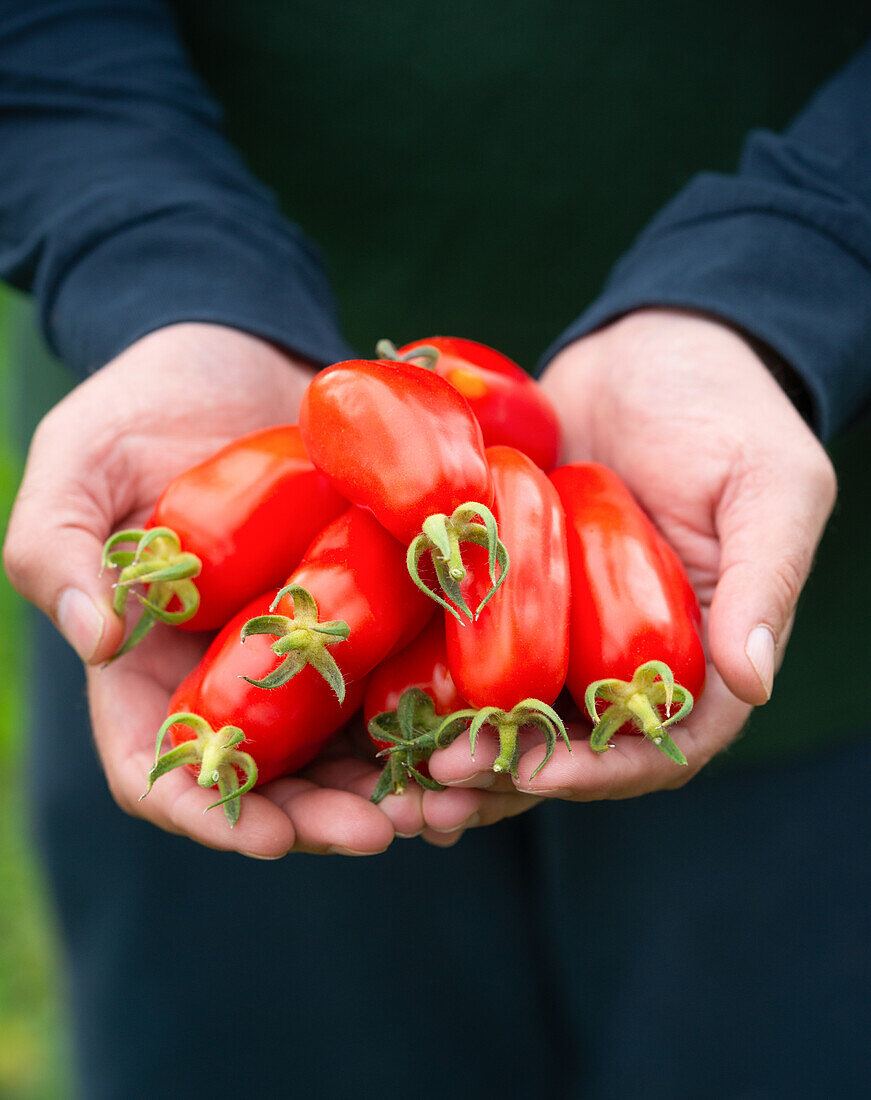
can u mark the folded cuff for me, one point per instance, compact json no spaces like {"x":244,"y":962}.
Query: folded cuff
{"x":782,"y":281}
{"x":191,"y":263}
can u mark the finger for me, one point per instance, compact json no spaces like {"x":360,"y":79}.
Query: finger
{"x":769,"y":520}
{"x":331,"y":822}
{"x":349,"y":773}
{"x":457,"y":808}
{"x":455,"y":764}
{"x":634,"y":766}
{"x":441,"y":840}
{"x":62,"y":516}
{"x":125,"y":740}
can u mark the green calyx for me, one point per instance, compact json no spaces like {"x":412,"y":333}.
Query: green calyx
{"x":159,"y":562}
{"x":637,"y":701}
{"x":302,"y":640}
{"x":218,"y":758}
{"x":410,"y":733}
{"x":507,"y":723}
{"x":425,"y":356}
{"x":441,"y":536}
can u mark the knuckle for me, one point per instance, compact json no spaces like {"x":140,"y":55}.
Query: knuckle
{"x":825,"y":480}
{"x":16,"y":557}
{"x":788,"y":580}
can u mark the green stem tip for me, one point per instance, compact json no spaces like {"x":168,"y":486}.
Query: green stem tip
{"x":216,"y":754}
{"x":638,"y":701}
{"x":301,"y":640}
{"x":158,"y":562}
{"x":410,"y":735}
{"x":441,"y":537}
{"x":424,"y":355}
{"x":507,"y":723}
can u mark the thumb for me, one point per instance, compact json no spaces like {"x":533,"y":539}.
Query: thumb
{"x":769,"y":520}
{"x":61,"y":517}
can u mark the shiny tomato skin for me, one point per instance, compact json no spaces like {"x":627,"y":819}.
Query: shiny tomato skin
{"x":631,"y":599}
{"x":356,"y":572}
{"x":510,"y":406}
{"x":518,"y":648}
{"x":395,"y":439}
{"x":424,"y":664}
{"x":248,"y":513}
{"x":284,"y":728}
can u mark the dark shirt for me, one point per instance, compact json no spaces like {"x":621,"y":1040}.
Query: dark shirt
{"x":121,"y":190}
{"x":464,"y":167}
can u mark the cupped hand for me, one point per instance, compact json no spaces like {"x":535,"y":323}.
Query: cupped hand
{"x":687,"y":413}
{"x":97,"y":463}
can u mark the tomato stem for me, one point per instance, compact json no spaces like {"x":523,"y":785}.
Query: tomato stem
{"x":386,"y":349}
{"x":528,"y":712}
{"x":158,"y":562}
{"x":216,"y":753}
{"x":410,"y":733}
{"x":301,"y":640}
{"x":441,"y":536}
{"x":638,"y":701}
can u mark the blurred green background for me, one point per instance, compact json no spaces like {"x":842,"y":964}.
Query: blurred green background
{"x":34,"y":1049}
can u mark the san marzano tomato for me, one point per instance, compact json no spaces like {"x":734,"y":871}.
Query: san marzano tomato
{"x":510,"y":406}
{"x":404,"y":444}
{"x":224,"y":531}
{"x":221,"y":724}
{"x":635,"y":625}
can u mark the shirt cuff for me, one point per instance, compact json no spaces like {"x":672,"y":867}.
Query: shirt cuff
{"x":786,"y":283}
{"x":189,"y":262}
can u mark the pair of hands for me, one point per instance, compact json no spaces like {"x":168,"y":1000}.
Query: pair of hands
{"x":679,"y":405}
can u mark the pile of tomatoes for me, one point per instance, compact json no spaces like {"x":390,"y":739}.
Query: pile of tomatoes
{"x":431,"y":567}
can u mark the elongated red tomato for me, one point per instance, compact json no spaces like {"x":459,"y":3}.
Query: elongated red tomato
{"x":395,"y":439}
{"x":354,"y":573}
{"x":407,"y":697}
{"x":510,"y":406}
{"x":237,"y":522}
{"x":512,"y":661}
{"x":635,"y":620}
{"x":518,"y":647}
{"x":404,"y":444}
{"x":339,"y":599}
{"x":228,"y":724}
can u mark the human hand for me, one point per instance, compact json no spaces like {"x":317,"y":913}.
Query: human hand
{"x":692,"y":420}
{"x":97,"y":463}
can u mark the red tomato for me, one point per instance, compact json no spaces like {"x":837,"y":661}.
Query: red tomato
{"x":396,"y":440}
{"x":282,"y":729}
{"x":513,"y":659}
{"x":511,"y":407}
{"x":407,"y":696}
{"x":518,"y":648}
{"x":632,"y":604}
{"x":238,"y":522}
{"x":422,"y":664}
{"x":404,"y":444}
{"x":354,"y":572}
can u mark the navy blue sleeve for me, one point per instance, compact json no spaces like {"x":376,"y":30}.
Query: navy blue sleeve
{"x":122,"y":206}
{"x":781,"y":249}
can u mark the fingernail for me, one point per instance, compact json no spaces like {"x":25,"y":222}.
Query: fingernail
{"x":469,"y":824}
{"x":256,"y":855}
{"x":408,"y":836}
{"x":481,"y":780}
{"x":336,"y":850}
{"x":760,"y":653}
{"x":546,"y":792}
{"x":80,"y":622}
